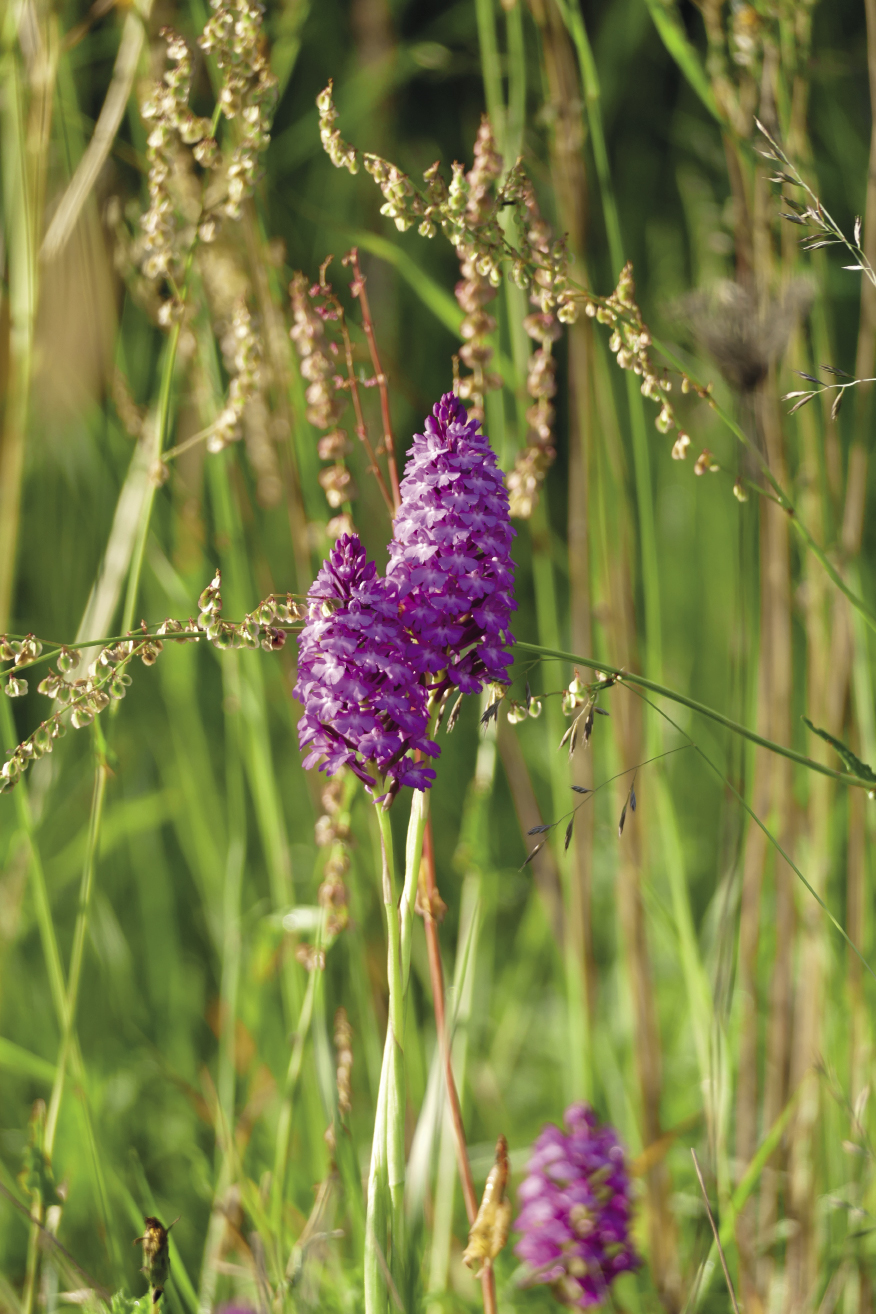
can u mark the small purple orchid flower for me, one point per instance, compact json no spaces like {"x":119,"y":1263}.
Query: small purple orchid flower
{"x":364,"y":706}
{"x":575,"y":1210}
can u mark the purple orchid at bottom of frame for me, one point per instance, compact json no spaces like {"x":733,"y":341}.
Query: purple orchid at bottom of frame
{"x":575,"y":1210}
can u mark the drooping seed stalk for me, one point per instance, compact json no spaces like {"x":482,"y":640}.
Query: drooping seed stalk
{"x":632,"y":677}
{"x":376,"y":1212}
{"x":395,"y":1094}
{"x":387,"y":1148}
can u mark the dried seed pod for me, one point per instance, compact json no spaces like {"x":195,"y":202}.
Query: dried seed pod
{"x":344,"y":1051}
{"x":489,"y":1231}
{"x":156,"y":1256}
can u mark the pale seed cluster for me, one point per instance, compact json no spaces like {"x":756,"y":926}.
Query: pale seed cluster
{"x":343,"y":1038}
{"x":81,"y":700}
{"x":344,"y":1053}
{"x":545,"y":277}
{"x":520,"y":711}
{"x":226,"y":284}
{"x":467,"y":211}
{"x":630,"y":341}
{"x":542,"y":272}
{"x":242,"y":356}
{"x":107,"y":679}
{"x":249,"y":90}
{"x":332,"y":832}
{"x":171,"y":122}
{"x":262,"y":628}
{"x":475,"y":237}
{"x":176,"y":213}
{"x":341,"y":155}
{"x":21,"y":652}
{"x":325,"y":394}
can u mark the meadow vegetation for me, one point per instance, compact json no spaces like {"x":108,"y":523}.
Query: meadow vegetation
{"x":234,"y":285}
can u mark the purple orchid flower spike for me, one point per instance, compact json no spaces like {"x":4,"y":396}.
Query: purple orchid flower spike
{"x":450,"y":555}
{"x":575,"y":1210}
{"x":364,"y":706}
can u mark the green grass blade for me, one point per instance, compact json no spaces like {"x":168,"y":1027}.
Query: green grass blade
{"x":21,"y":1063}
{"x":674,"y":38}
{"x":630,"y":677}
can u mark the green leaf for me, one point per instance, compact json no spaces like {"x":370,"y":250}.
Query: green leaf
{"x":674,"y":38}
{"x":853,"y":763}
{"x":23,"y":1063}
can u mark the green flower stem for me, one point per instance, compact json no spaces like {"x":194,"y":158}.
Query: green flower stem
{"x":630,"y":677}
{"x":394,"y":1053}
{"x":388,"y":1145}
{"x":375,"y":1215}
{"x":413,"y":853}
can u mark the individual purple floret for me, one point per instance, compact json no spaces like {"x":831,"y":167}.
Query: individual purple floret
{"x":575,"y":1210}
{"x":450,"y":554}
{"x":363,"y":704}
